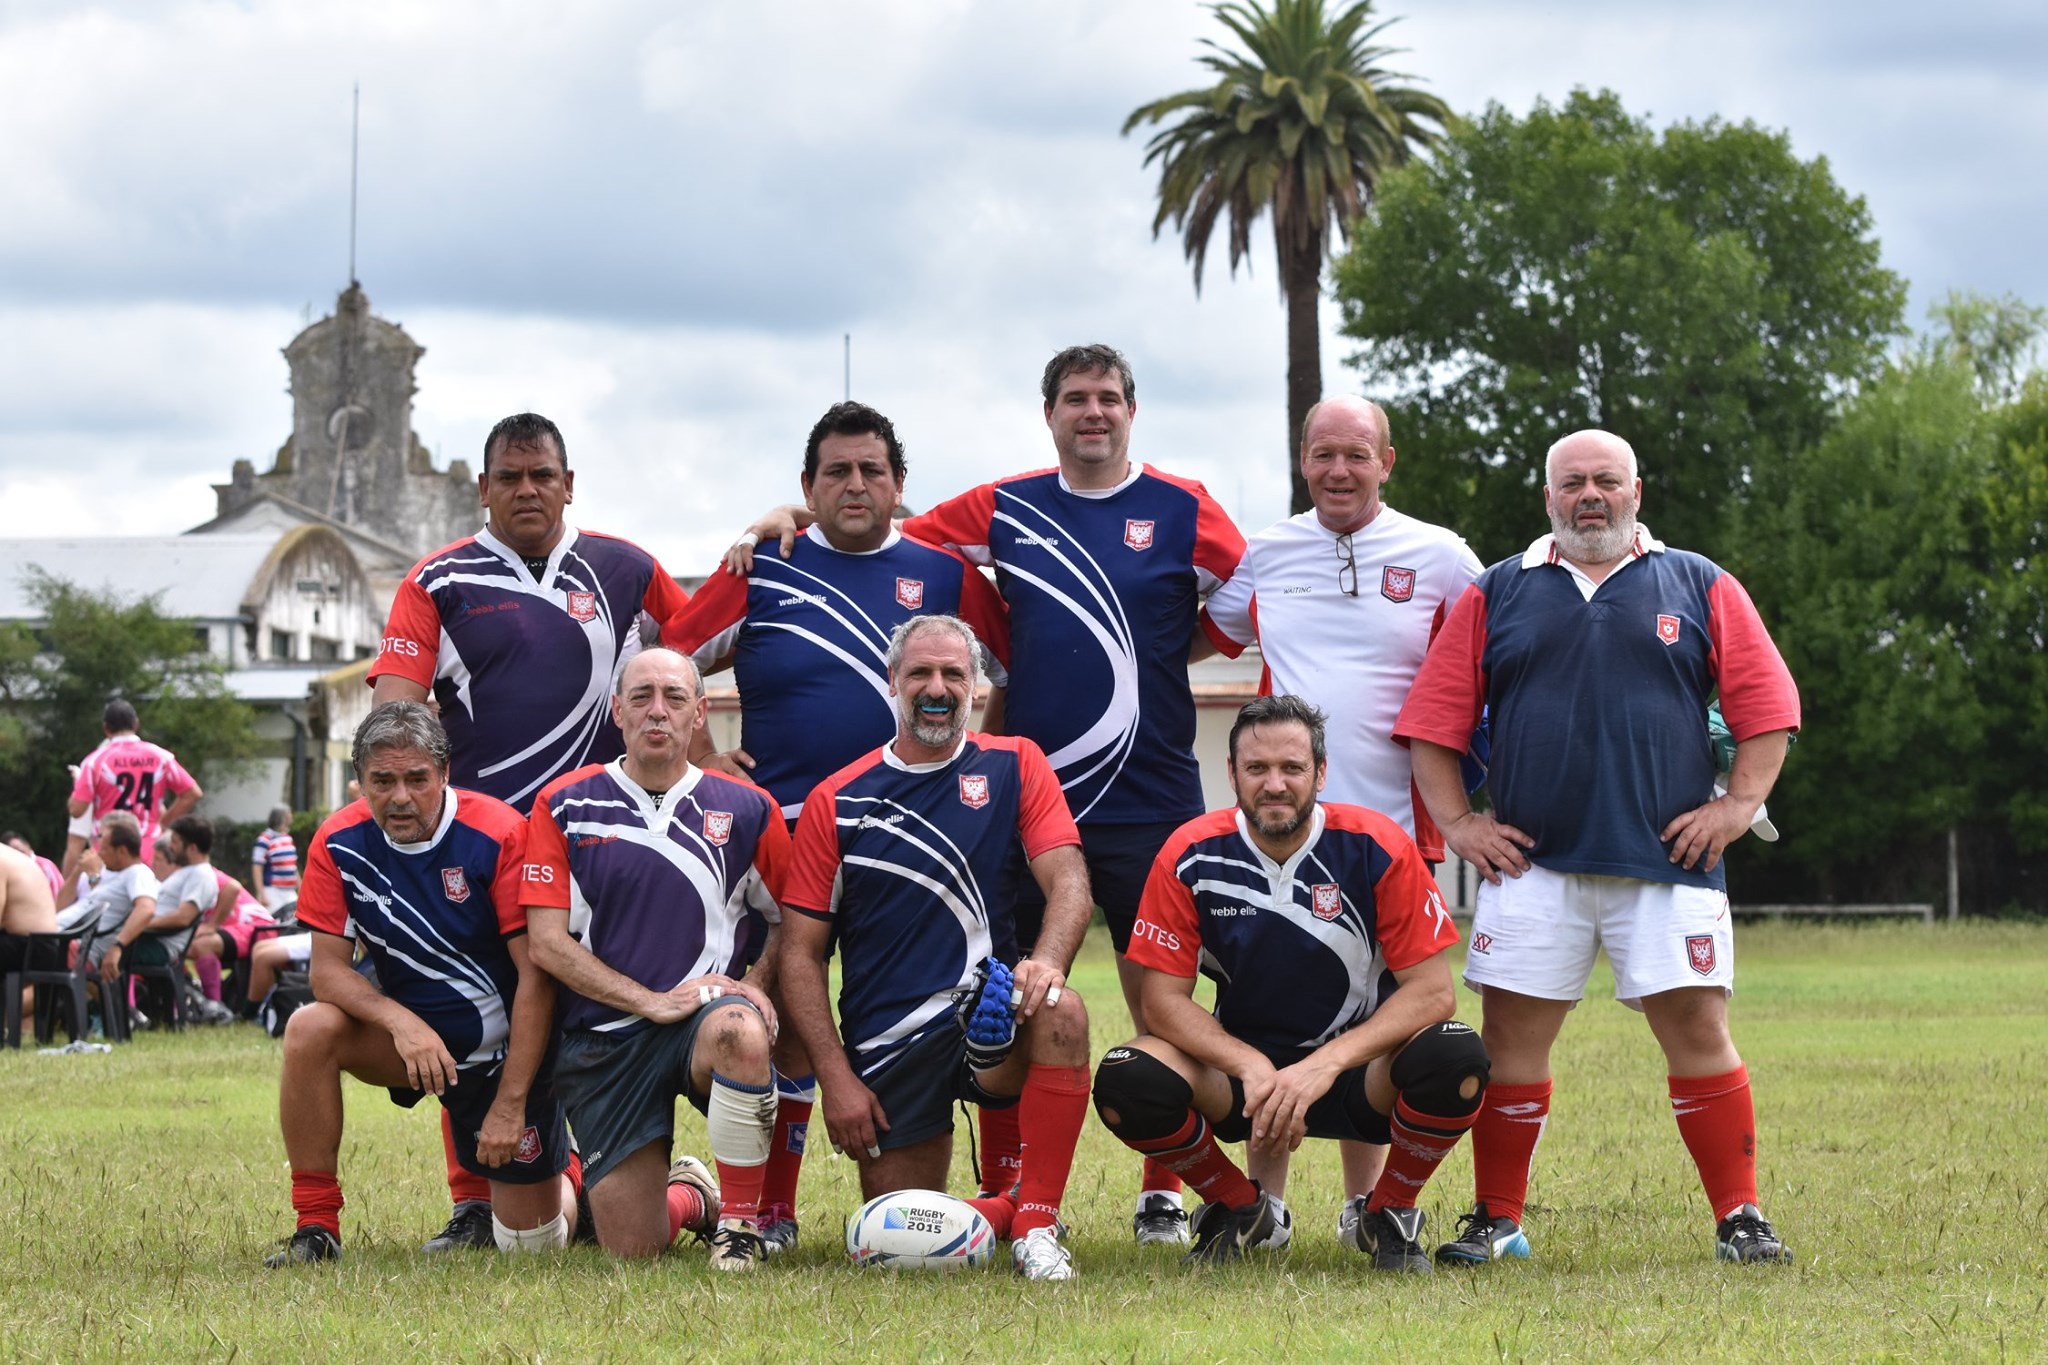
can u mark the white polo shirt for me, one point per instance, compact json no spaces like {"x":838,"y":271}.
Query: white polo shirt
{"x":1353,"y":656}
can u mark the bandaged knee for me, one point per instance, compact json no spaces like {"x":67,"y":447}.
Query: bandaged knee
{"x":549,"y":1236}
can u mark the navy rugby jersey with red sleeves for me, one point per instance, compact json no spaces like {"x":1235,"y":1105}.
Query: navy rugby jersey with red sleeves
{"x":1599,"y":705}
{"x":658,"y":891}
{"x":432,"y":916}
{"x":1102,"y":592}
{"x":1301,"y":951}
{"x":523,"y":669}
{"x":910,"y":864}
{"x":809,"y":639}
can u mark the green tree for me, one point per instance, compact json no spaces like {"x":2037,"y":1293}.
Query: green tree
{"x":1994,"y":337}
{"x":1704,"y":293}
{"x":1902,"y":563}
{"x":91,"y":648}
{"x":1301,"y":123}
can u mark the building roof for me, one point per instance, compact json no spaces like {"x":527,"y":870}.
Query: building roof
{"x":276,"y":682}
{"x":200,"y":577}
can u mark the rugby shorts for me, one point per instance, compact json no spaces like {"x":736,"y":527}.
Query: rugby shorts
{"x":1537,"y":935}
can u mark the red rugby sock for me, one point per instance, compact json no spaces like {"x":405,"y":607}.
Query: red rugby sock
{"x":1191,"y":1153}
{"x":685,"y":1208}
{"x":462,"y":1185}
{"x":1717,"y":1119}
{"x":316,"y":1198}
{"x":794,"y":1098}
{"x":1050,"y":1116}
{"x":1421,"y":1142}
{"x":1002,"y":1149}
{"x":1511,"y":1122}
{"x":999,"y":1209}
{"x":1157,"y":1175}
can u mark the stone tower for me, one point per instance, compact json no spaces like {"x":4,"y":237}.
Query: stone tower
{"x":352,"y":455}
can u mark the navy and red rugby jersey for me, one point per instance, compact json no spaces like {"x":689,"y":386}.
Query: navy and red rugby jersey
{"x":1599,"y":705}
{"x":809,"y":639}
{"x":911,"y":864}
{"x":1103,"y":592}
{"x":433,"y":916}
{"x":523,"y":670}
{"x":659,"y":892}
{"x":1301,"y":952}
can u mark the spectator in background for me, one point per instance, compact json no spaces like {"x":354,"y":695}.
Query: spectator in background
{"x":224,"y":936}
{"x":127,"y":773}
{"x":26,"y":906}
{"x":274,"y":861}
{"x":51,"y":873}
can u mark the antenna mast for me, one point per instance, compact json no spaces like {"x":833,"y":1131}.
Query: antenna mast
{"x":355,"y":121}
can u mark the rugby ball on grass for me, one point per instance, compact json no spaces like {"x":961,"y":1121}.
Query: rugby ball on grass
{"x":919,"y":1230}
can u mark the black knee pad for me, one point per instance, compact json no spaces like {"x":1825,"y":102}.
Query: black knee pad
{"x":1140,"y":1098}
{"x":1435,"y":1066}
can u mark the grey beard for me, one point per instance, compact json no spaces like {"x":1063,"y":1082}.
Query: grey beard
{"x":1603,"y":546}
{"x":937,"y":734}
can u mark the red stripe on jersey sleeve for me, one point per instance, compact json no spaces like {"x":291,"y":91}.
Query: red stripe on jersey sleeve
{"x":507,"y":827}
{"x":981,"y":606}
{"x":1450,"y":688}
{"x":665,"y":599}
{"x":1757,"y":691}
{"x":1412,"y":924}
{"x":1219,"y":545}
{"x":718,"y":606}
{"x":814,"y":858}
{"x":773,"y":854}
{"x":322,"y":903}
{"x":1042,"y":815}
{"x":959,"y":524}
{"x":544,"y":876}
{"x":1167,"y":936}
{"x":412,"y":636}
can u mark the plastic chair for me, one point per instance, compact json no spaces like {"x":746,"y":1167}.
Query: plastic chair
{"x":47,"y":962}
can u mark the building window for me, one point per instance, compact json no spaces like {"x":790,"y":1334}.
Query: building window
{"x":325,"y":651}
{"x":364,"y":651}
{"x":281,"y":645}
{"x":202,"y":639}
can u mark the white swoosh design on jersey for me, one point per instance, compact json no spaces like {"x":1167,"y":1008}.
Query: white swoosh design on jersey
{"x":873,"y":666}
{"x":1114,"y":732}
{"x":963,"y":898}
{"x":720,"y":930}
{"x":468,"y":978}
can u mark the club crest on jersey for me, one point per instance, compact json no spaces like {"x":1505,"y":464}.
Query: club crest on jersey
{"x":1667,"y":629}
{"x":1397,"y":585}
{"x":910,"y":593}
{"x":718,"y":825}
{"x":973,"y":790}
{"x":1699,"y":951}
{"x":1325,"y":901}
{"x":1482,"y":943}
{"x":529,"y":1146}
{"x":454,"y":885}
{"x":1138,"y":534}
{"x":583,"y":606}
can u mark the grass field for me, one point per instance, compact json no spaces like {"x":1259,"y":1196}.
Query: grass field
{"x":1900,"y":1075}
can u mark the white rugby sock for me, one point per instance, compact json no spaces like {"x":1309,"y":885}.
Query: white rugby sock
{"x":549,"y":1236}
{"x":741,"y":1121}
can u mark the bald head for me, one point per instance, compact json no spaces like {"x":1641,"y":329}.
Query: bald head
{"x":658,"y":707}
{"x":1345,"y":457}
{"x":1590,"y":443}
{"x":658,"y":659}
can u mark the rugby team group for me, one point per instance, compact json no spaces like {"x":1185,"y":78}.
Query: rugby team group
{"x":559,"y":909}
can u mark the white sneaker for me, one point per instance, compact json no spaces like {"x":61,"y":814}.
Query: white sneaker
{"x":1283,"y":1234}
{"x":1039,"y":1256}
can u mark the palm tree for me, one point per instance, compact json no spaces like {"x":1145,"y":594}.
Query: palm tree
{"x":1300,"y":122}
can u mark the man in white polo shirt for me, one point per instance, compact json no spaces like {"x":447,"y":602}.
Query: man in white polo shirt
{"x":1343,"y":601}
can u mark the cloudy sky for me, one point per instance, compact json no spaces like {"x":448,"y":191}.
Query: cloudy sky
{"x":655,"y":221}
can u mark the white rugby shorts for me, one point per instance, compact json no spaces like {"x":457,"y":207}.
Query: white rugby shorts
{"x":1537,"y":935}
